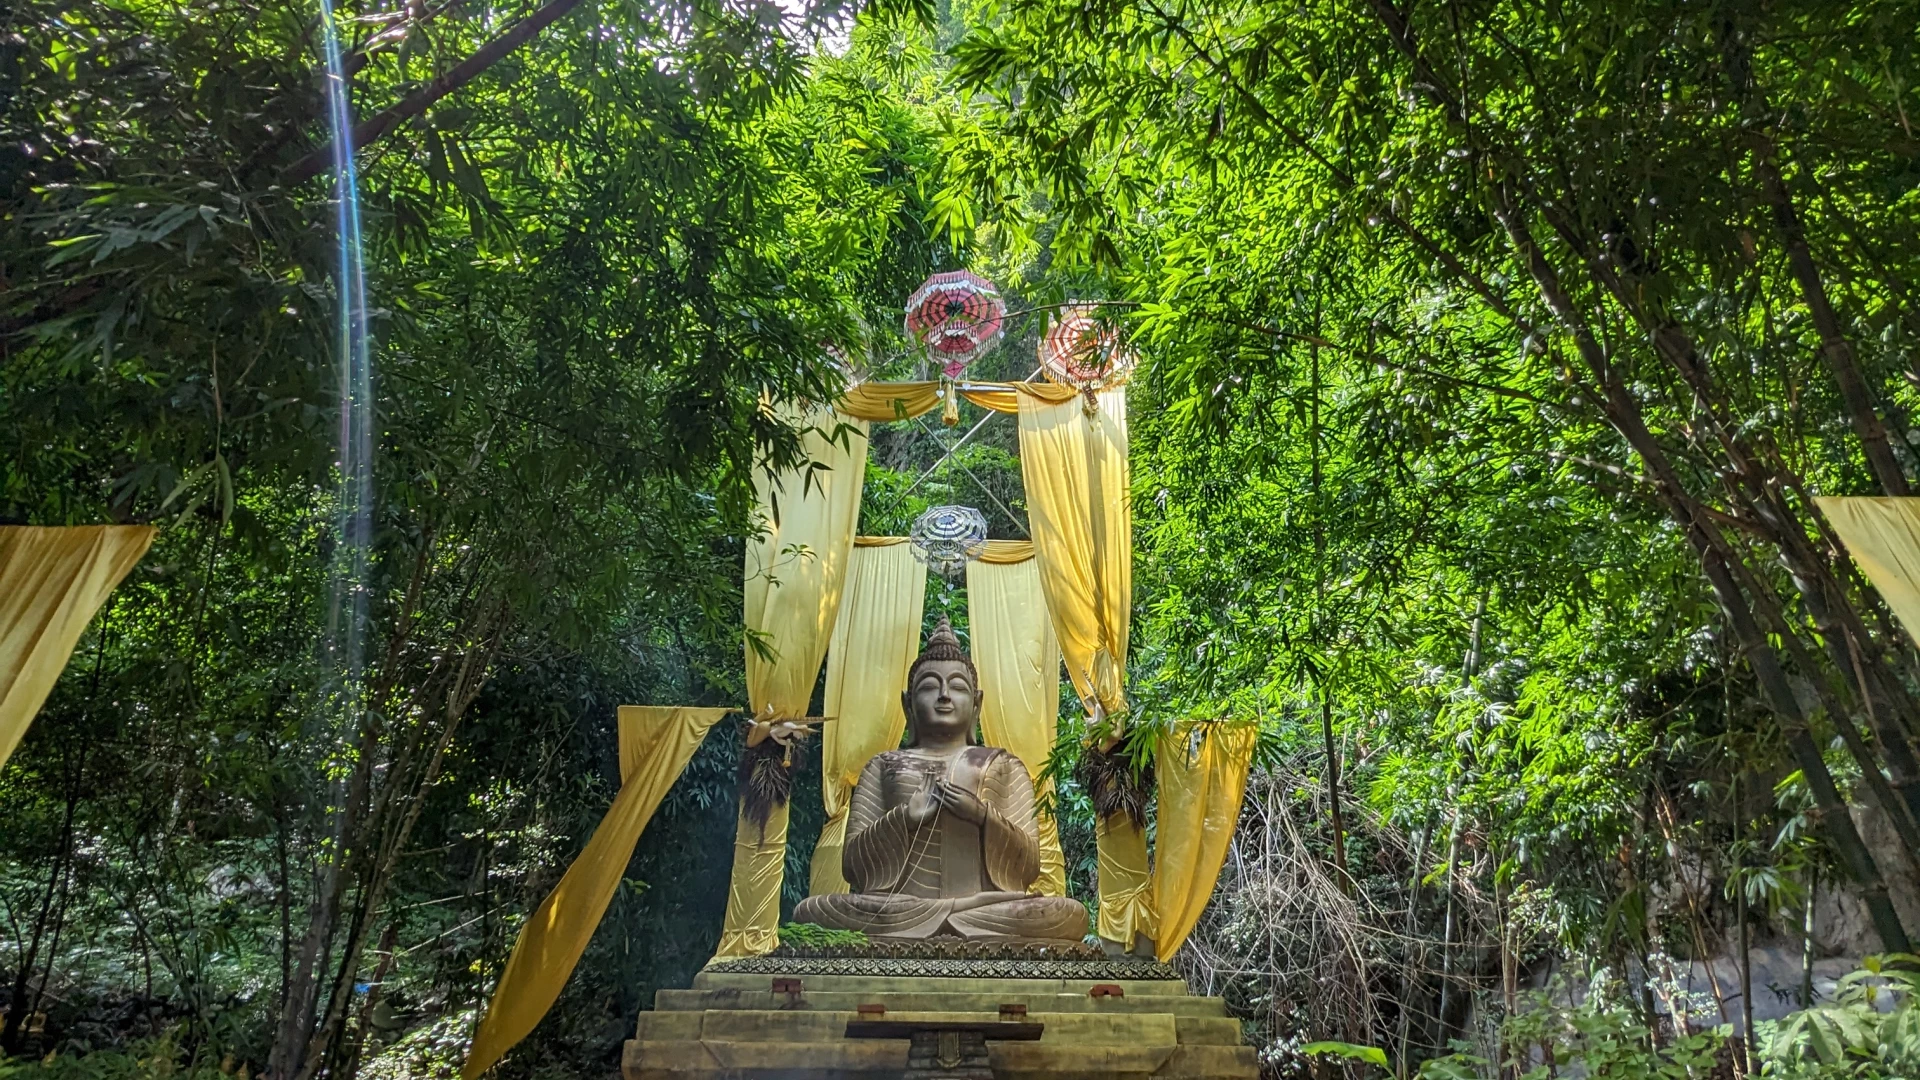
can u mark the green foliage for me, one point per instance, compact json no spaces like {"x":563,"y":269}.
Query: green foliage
{"x":808,"y":934}
{"x":1601,"y":1035}
{"x":1375,"y":469}
{"x":158,"y":1058}
{"x":1871,"y":1028}
{"x":588,"y":268}
{"x":1372,"y":1055}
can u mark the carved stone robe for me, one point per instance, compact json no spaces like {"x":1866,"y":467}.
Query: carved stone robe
{"x":949,"y":876}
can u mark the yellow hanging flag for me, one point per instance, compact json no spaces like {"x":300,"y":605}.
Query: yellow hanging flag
{"x":1201,"y":770}
{"x":1883,"y":534}
{"x":795,"y":573}
{"x":1019,"y":662}
{"x":52,"y":580}
{"x":655,"y":745}
{"x":874,"y":642}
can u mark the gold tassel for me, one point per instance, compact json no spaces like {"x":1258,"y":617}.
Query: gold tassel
{"x":950,"y":410}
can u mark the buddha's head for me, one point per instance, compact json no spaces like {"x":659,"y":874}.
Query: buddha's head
{"x":942,"y":699}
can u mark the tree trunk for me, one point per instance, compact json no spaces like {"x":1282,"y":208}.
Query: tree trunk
{"x":390,"y":822}
{"x":1624,"y":414}
{"x":1740,"y":921}
{"x":1447,"y":928}
{"x":1806,"y":938}
{"x":1835,"y":349}
{"x":371,"y":130}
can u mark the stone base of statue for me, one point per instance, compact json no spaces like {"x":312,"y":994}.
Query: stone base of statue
{"x":937,"y":1010}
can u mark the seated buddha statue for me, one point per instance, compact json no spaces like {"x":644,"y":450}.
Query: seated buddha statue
{"x":940,"y":837}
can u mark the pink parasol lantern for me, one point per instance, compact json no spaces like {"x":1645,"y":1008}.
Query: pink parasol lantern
{"x":1085,"y":351}
{"x":957,"y":316}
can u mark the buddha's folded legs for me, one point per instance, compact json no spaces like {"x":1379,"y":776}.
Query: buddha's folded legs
{"x":1056,"y":917}
{"x":875,"y":914}
{"x":894,"y":915}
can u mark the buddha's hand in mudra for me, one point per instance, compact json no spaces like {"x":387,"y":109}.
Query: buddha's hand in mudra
{"x":923,"y":805}
{"x":960,"y":802}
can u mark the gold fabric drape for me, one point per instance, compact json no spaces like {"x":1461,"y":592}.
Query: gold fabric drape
{"x":752,"y":924}
{"x":1074,"y":464}
{"x":881,"y":402}
{"x":655,"y":745}
{"x":1883,"y":535}
{"x":795,"y":572}
{"x":796,"y":568}
{"x":1019,"y":663}
{"x":1001,"y":552}
{"x":52,"y":581}
{"x":1126,"y":889}
{"x":1201,"y":770}
{"x":1075,"y":469}
{"x":1005,"y":398}
{"x":874,"y":642}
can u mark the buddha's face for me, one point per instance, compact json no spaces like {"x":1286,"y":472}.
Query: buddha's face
{"x":942,"y":703}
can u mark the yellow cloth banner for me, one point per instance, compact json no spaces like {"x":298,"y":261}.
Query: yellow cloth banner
{"x":1001,"y":552}
{"x":795,"y":573}
{"x":1075,"y":469}
{"x":797,"y":566}
{"x":1201,"y":770}
{"x":1005,"y":398}
{"x":655,"y":744}
{"x":1074,"y":464}
{"x":1019,"y":663}
{"x":752,"y":925}
{"x":881,"y":402}
{"x":1126,"y":890}
{"x":875,"y":640}
{"x":52,"y":581}
{"x":1883,"y":535}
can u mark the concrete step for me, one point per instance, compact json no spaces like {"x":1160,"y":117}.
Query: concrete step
{"x":885,"y":1059}
{"x":1207,"y":1030}
{"x":867,"y":1059}
{"x":804,"y":1027}
{"x":943,"y":1001}
{"x":889,"y":984}
{"x":1202,"y":1062}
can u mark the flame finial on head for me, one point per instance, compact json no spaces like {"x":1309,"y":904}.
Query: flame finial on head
{"x":943,"y":644}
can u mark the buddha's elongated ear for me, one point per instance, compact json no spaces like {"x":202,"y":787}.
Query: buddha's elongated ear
{"x":913,"y":729}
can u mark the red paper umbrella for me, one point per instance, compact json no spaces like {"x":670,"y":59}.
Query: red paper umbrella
{"x":957,"y":316}
{"x":1082,"y":350}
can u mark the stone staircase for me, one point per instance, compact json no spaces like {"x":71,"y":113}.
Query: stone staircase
{"x":774,"y":1027}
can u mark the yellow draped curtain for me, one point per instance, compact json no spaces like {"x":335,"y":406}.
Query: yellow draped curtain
{"x":1019,"y":663}
{"x":795,"y":571}
{"x":797,"y":566}
{"x":1073,"y":460}
{"x":52,"y":581}
{"x":875,"y":640}
{"x":1201,"y":770}
{"x":655,"y":745}
{"x":1005,"y":551}
{"x":881,"y":402}
{"x":1074,"y":465}
{"x":1126,"y":888}
{"x":1883,"y":535}
{"x":752,"y":922}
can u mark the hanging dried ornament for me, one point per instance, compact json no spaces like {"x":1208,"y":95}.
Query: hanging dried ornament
{"x":1084,"y":350}
{"x":957,"y":317}
{"x":853,"y":370}
{"x":945,"y":537}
